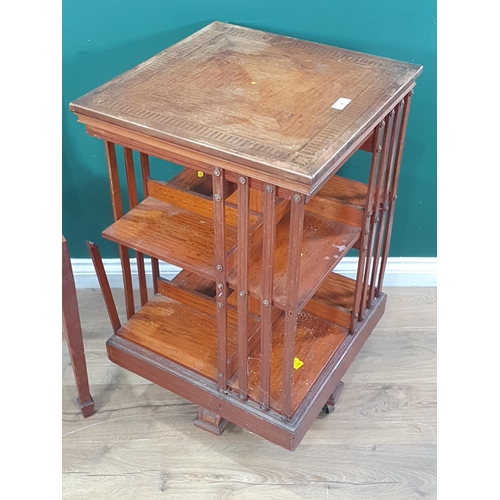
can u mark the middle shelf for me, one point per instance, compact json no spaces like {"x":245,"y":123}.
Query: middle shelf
{"x":185,"y":237}
{"x":324,"y":243}
{"x":170,"y":233}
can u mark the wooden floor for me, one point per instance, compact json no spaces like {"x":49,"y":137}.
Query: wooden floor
{"x":379,"y":443}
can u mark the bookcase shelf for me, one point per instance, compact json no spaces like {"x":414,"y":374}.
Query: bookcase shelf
{"x":171,"y":234}
{"x":323,"y":245}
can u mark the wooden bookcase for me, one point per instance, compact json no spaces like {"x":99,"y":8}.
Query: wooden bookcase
{"x":257,"y":328}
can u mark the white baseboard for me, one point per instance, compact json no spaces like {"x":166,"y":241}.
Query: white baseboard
{"x":400,"y":271}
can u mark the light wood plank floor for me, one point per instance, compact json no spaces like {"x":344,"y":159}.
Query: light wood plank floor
{"x":379,"y":443}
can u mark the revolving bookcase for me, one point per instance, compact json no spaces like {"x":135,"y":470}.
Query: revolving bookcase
{"x":258,"y":328}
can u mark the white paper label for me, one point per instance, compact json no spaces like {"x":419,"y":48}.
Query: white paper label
{"x":341,"y":103}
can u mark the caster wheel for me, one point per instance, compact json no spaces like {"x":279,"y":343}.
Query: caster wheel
{"x":326,"y":409}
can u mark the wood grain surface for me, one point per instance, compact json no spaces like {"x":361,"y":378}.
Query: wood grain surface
{"x":259,"y":99}
{"x":170,"y":233}
{"x":315,"y":343}
{"x":379,"y":443}
{"x":324,"y":244}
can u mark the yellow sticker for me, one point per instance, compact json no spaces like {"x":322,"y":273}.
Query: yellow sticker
{"x":200,"y":174}
{"x":297,"y":363}
{"x":253,"y":83}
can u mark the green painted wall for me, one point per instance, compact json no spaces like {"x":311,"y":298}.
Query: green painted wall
{"x":103,"y":38}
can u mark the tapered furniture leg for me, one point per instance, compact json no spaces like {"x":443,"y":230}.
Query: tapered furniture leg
{"x":210,"y":421}
{"x":73,"y":329}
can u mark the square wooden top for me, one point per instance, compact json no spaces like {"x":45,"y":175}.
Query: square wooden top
{"x":258,"y":99}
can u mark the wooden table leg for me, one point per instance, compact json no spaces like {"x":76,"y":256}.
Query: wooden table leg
{"x":210,"y":421}
{"x":73,"y":329}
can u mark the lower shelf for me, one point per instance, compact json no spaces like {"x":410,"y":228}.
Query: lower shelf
{"x":288,"y":434}
{"x":179,"y":329}
{"x":179,"y":333}
{"x":188,"y":337}
{"x":316,"y":341}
